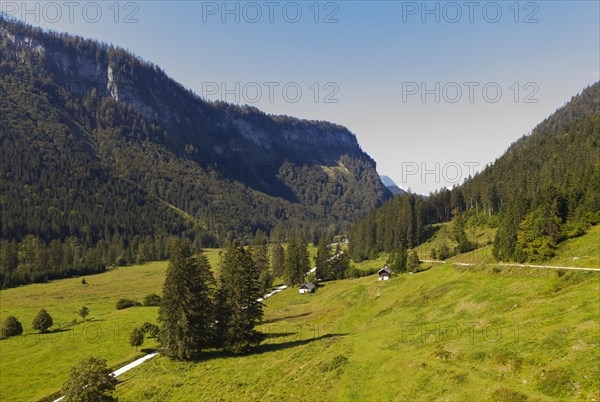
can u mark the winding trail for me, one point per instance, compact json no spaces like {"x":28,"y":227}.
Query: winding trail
{"x":125,"y":369}
{"x":504,"y":264}
{"x":141,"y":360}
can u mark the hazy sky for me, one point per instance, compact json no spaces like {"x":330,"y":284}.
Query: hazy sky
{"x":432,"y":90}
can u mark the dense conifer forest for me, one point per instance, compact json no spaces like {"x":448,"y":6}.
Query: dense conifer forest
{"x":543,"y":190}
{"x":106,"y":160}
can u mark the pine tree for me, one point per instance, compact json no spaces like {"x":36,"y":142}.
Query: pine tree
{"x":11,"y":327}
{"x":398,"y":260}
{"x":323,"y":260}
{"x":458,"y":233}
{"x":238,"y":309}
{"x":412,"y":262}
{"x":187,"y":311}
{"x":339,"y":263}
{"x":260,"y":251}
{"x":297,"y":262}
{"x":260,"y":254}
{"x":83,"y":312}
{"x":277,"y":259}
{"x":42,"y":321}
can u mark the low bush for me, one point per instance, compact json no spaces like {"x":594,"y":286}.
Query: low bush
{"x":126,"y":303}
{"x":11,"y":327}
{"x":507,"y":395}
{"x":152,"y":300}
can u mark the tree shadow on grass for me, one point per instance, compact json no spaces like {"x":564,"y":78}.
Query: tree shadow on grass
{"x":274,"y":347}
{"x":289,"y":317}
{"x":54,"y":331}
{"x":423,"y":269}
{"x":279,"y":334}
{"x":263,"y":348}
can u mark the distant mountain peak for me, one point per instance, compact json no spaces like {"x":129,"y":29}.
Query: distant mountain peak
{"x":391,"y":185}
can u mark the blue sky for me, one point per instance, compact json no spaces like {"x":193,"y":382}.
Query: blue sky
{"x":376,"y":67}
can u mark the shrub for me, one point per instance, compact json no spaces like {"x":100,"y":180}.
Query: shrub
{"x":42,"y":321}
{"x":353,"y":272}
{"x":507,"y":395}
{"x":90,"y":380}
{"x":83,"y":312}
{"x":444,"y":252}
{"x":136,"y":338}
{"x":152,"y":300}
{"x":150,"y":329}
{"x":11,"y":327}
{"x":126,"y":303}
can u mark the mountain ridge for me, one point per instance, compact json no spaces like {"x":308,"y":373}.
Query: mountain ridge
{"x":114,"y":153}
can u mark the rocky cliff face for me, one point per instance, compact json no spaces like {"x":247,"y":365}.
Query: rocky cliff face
{"x":130,"y":108}
{"x":114,"y":73}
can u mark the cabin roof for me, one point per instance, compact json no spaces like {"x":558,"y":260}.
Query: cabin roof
{"x":385,"y":270}
{"x":308,"y":285}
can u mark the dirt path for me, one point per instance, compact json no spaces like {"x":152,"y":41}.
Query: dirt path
{"x":503,"y":264}
{"x":141,"y":360}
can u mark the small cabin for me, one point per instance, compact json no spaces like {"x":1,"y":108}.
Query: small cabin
{"x":384,"y":273}
{"x":307,"y":287}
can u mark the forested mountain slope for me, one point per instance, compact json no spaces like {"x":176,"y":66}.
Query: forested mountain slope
{"x":106,"y":156}
{"x":544,"y":189}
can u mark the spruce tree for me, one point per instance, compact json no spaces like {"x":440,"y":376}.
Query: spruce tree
{"x":187,"y":312}
{"x":277,"y":259}
{"x":238,"y":308}
{"x":260,"y":251}
{"x":291,"y":256}
{"x":323,"y":260}
{"x":11,"y":327}
{"x":260,"y":254}
{"x":399,"y":259}
{"x":339,"y":263}
{"x":297,"y":262}
{"x":42,"y":321}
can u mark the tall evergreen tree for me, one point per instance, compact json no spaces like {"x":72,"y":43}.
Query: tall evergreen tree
{"x":187,"y":312}
{"x":238,"y":308}
{"x":398,"y":260}
{"x":260,"y":254}
{"x":260,"y":251}
{"x":297,"y":262}
{"x":277,"y":259}
{"x":323,"y":260}
{"x":339,"y":263}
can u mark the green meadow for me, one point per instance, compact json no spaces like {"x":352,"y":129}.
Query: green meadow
{"x":34,"y":365}
{"x":447,"y":333}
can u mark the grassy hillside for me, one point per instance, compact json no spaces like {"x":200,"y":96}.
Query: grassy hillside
{"x":35,"y":365}
{"x":481,"y":333}
{"x":446,"y":333}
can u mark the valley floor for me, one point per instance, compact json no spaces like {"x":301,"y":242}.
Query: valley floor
{"x":451,"y":332}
